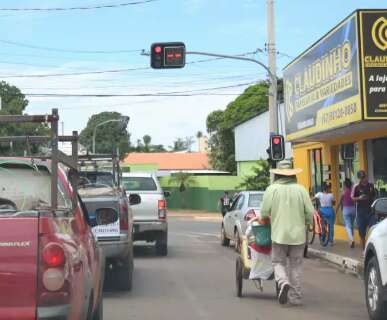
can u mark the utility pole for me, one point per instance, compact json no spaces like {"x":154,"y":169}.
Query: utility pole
{"x":272,"y":53}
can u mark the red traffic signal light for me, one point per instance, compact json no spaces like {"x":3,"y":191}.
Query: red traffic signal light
{"x":276,"y":140}
{"x":277,"y":147}
{"x":168,"y":55}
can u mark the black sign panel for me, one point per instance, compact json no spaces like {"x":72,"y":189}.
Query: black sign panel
{"x":322,"y":85}
{"x":373,"y":30}
{"x":167,"y":55}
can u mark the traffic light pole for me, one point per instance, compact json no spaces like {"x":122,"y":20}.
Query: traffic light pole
{"x":273,"y":109}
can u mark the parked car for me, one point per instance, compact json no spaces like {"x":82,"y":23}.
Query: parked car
{"x":375,"y":264}
{"x":51,"y":266}
{"x":234,"y":223}
{"x":150,"y":217}
{"x":99,"y":186}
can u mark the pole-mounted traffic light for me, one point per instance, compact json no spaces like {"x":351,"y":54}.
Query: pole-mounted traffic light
{"x":167,"y":55}
{"x":277,"y":147}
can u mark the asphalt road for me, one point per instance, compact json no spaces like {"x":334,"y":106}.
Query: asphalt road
{"x":196,"y":282}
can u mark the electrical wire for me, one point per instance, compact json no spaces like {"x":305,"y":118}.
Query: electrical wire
{"x":102,"y":71}
{"x":72,"y":73}
{"x":30,"y":46}
{"x":169,"y":93}
{"x":93,"y":7}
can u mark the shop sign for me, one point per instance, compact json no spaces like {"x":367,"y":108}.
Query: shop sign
{"x":373,"y":33}
{"x":322,"y":86}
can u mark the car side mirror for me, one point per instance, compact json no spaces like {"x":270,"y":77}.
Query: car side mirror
{"x":105,"y":216}
{"x":379,"y":208}
{"x":134,"y":199}
{"x":167,"y":194}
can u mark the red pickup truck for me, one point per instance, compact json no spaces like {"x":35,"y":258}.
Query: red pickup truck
{"x":50,"y":263}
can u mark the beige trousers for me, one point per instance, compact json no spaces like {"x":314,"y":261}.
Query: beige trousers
{"x":288,"y":262}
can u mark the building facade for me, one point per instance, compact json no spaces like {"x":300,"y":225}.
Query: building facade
{"x":336,"y":106}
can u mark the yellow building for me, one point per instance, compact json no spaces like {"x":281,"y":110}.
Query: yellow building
{"x":336,"y":105}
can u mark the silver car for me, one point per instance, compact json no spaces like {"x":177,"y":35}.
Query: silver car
{"x":150,"y":216}
{"x":234,"y":224}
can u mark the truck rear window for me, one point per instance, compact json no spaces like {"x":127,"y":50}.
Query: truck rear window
{"x":95,"y":179}
{"x":26,"y":189}
{"x":139,"y":184}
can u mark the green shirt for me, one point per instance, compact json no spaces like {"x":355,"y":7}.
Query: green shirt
{"x":290,"y":208}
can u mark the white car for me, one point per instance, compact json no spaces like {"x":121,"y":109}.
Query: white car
{"x":234,"y":223}
{"x":375,"y":264}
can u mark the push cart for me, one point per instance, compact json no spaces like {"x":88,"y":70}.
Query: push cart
{"x":260,"y":237}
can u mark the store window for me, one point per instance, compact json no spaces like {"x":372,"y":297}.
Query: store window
{"x":316,"y":170}
{"x":379,"y":147}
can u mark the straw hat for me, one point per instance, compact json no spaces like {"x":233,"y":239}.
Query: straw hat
{"x":285,"y":168}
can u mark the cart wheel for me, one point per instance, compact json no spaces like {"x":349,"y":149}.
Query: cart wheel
{"x":239,"y":277}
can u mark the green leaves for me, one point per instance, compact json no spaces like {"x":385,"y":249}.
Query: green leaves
{"x":220,"y":125}
{"x":260,"y":179}
{"x":108,"y":137}
{"x":13,"y":102}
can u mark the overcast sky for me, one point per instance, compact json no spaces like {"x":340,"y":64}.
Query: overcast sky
{"x":56,"y":42}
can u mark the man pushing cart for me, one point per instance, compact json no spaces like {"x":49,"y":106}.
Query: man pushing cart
{"x":289,"y":208}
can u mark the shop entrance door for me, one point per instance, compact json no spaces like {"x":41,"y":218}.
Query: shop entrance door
{"x":316,"y":170}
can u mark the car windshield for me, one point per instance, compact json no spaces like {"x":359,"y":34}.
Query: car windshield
{"x":139,"y":183}
{"x":255,"y":200}
{"x":95,"y":179}
{"x":24,"y":189}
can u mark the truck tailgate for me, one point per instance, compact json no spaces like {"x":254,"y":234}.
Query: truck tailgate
{"x":148,"y":208}
{"x":18,"y":267}
{"x":110,"y":231}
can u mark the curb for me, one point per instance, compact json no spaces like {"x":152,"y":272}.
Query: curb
{"x":347,"y":264}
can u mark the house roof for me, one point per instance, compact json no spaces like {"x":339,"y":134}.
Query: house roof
{"x":171,"y":160}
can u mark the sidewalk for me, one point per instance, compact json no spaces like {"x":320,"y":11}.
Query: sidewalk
{"x":341,"y":255}
{"x":196,"y":215}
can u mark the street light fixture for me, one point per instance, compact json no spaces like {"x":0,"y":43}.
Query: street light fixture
{"x":124,"y":120}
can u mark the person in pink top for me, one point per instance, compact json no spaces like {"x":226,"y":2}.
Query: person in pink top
{"x":348,"y":209}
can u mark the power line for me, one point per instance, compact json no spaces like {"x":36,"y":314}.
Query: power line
{"x":72,"y":73}
{"x":93,"y":7}
{"x":102,"y":71}
{"x":31,"y":46}
{"x":182,"y":93}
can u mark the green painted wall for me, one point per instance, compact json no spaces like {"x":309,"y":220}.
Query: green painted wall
{"x":203,"y":194}
{"x":146,"y":167}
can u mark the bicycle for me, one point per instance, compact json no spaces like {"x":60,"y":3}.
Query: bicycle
{"x":321,"y":227}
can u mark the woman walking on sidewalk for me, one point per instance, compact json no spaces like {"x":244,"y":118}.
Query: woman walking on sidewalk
{"x":327,"y":202}
{"x":348,"y":209}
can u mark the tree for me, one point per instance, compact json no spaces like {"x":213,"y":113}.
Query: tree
{"x":189,"y":141}
{"x":147,"y":140}
{"x":220,"y":124}
{"x":13,"y":102}
{"x":199,"y":135}
{"x":179,"y":145}
{"x":260,"y":179}
{"x":184,"y":180}
{"x":109,"y":136}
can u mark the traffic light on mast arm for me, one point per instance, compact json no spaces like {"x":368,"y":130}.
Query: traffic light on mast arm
{"x":167,"y":55}
{"x":277,"y":147}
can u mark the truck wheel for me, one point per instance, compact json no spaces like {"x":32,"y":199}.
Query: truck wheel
{"x":162,"y":244}
{"x":123,"y":275}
